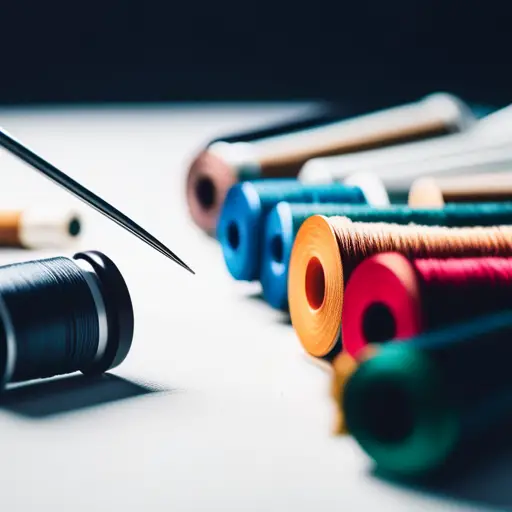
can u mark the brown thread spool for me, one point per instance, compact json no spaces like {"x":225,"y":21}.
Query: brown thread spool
{"x":222,"y":164}
{"x":343,"y":366}
{"x":435,"y":192}
{"x":340,"y":369}
{"x":327,"y":250}
{"x":36,"y":228}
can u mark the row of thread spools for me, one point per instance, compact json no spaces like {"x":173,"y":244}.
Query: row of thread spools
{"x":357,"y":267}
{"x":61,"y":314}
{"x":58,"y":315}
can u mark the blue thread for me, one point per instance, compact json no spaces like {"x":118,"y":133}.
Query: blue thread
{"x":241,"y":222}
{"x":285,"y":219}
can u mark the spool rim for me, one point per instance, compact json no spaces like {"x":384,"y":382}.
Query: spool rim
{"x":242,"y":210}
{"x":274,"y":274}
{"x":461,"y":116}
{"x":429,"y":437}
{"x":318,"y":328}
{"x":425,"y":192}
{"x":316,"y":171}
{"x":388,"y":279}
{"x":119,"y":310}
{"x":8,"y":347}
{"x":371,"y":186}
{"x":211,"y":167}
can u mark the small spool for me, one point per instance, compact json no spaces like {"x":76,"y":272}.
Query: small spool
{"x":39,"y":228}
{"x":343,"y":366}
{"x":285,"y":219}
{"x":62,"y":315}
{"x":390,"y":297}
{"x":436,"y":192}
{"x":243,"y":215}
{"x":416,"y":408}
{"x":223,"y":164}
{"x":327,"y":250}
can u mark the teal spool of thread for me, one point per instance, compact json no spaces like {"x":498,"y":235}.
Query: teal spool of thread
{"x":246,"y":206}
{"x":285,"y":219}
{"x":419,"y":407}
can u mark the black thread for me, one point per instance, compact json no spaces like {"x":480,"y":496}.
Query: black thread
{"x":53,"y":315}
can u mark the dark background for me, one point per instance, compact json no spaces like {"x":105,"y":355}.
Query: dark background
{"x":363,"y":52}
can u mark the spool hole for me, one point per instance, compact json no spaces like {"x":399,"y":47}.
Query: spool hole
{"x":315,"y":283}
{"x":233,"y":236}
{"x":205,"y":192}
{"x":379,"y":323}
{"x":276,"y":248}
{"x":74,"y":227}
{"x":385,"y":411}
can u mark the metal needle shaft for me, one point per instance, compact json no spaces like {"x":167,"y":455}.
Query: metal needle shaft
{"x":88,"y":197}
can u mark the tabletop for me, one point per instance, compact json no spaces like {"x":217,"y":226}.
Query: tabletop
{"x":216,"y":407}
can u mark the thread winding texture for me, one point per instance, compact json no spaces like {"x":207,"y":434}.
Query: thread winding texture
{"x":53,"y":317}
{"x":327,"y":251}
{"x":242,"y":219}
{"x":285,"y":219}
{"x":390,"y":297}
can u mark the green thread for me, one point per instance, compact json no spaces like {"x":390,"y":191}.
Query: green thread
{"x":452,"y":215}
{"x":418,"y":404}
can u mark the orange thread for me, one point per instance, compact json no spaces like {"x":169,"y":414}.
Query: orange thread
{"x":327,"y":250}
{"x":10,"y":226}
{"x":343,"y":366}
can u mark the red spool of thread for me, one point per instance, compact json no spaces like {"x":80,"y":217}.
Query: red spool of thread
{"x":390,"y":297}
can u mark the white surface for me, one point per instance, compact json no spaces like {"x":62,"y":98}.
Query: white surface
{"x":240,"y":420}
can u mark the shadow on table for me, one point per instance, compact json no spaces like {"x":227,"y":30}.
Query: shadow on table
{"x":256,"y":296}
{"x":63,"y":395}
{"x":482,"y":479}
{"x":285,"y":318}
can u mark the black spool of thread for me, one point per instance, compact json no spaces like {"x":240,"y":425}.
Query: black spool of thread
{"x":62,"y":315}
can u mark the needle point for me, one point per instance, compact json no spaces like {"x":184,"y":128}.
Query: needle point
{"x":87,"y":196}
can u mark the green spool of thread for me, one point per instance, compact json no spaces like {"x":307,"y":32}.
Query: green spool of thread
{"x":285,"y":219}
{"x":413,"y":407}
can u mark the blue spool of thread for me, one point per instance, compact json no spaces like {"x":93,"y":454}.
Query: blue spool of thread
{"x":285,"y":219}
{"x":241,"y":222}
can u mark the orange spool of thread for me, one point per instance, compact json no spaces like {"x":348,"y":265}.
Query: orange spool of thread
{"x":39,"y":227}
{"x":430,"y":192}
{"x":327,"y":250}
